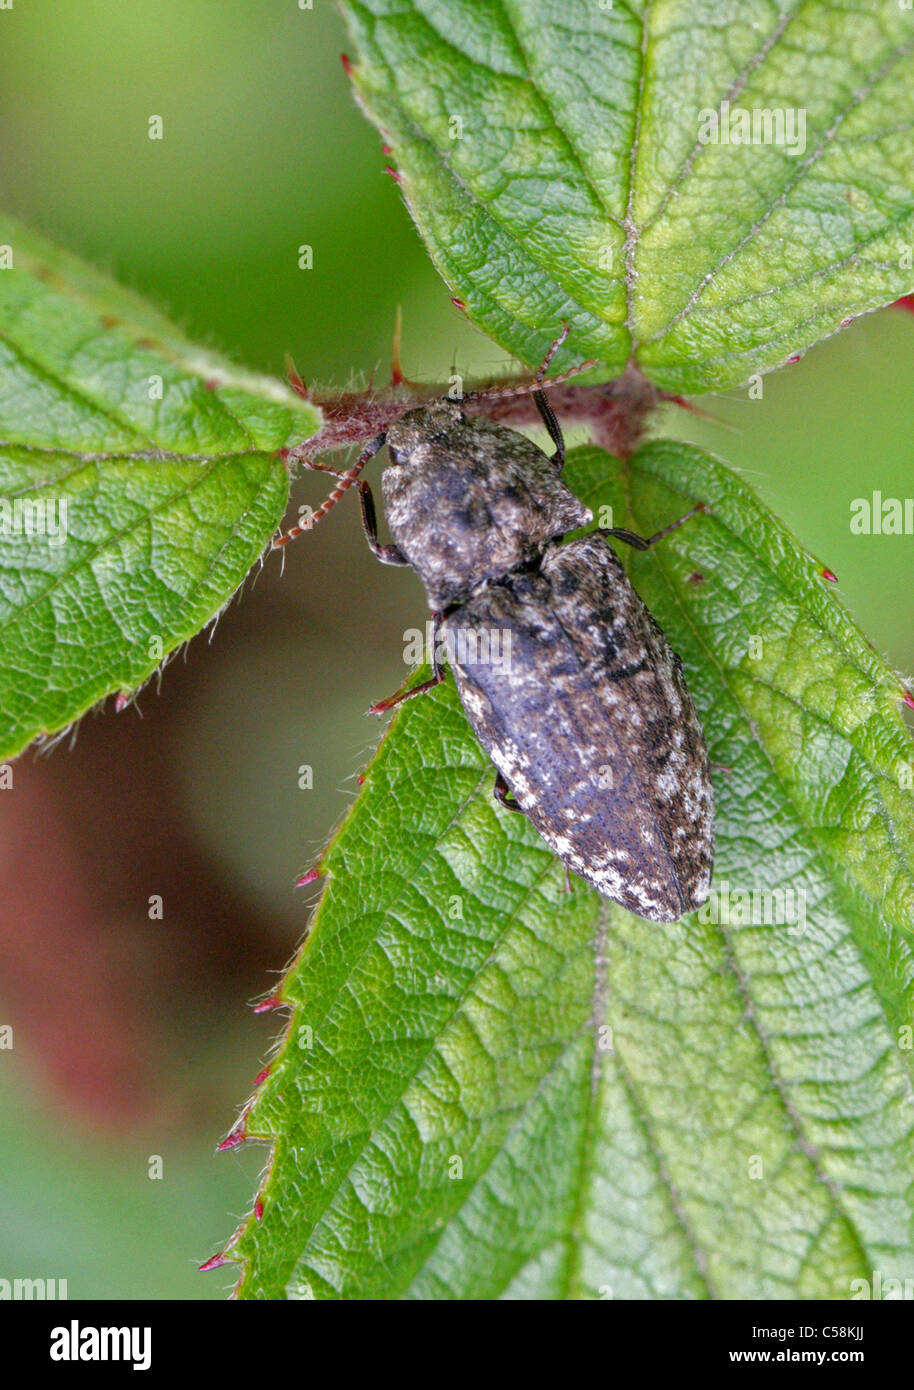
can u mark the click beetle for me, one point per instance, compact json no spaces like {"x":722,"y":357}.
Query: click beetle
{"x":586,"y":715}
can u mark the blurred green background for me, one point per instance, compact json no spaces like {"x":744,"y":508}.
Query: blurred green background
{"x":131,"y":1037}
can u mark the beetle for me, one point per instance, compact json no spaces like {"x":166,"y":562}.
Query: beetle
{"x":589,"y":722}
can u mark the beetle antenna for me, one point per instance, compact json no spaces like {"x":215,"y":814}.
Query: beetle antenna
{"x":346,"y":481}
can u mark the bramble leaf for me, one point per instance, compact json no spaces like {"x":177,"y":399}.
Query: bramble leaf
{"x":139,"y":481}
{"x":494,"y":1088}
{"x":559,"y":161}
{"x":491,"y":1087}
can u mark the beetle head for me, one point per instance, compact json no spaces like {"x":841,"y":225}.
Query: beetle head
{"x":468,"y":500}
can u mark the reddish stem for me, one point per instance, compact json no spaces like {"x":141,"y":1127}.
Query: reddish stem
{"x":614,"y":411}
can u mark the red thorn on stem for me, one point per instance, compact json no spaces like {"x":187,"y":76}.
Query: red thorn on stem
{"x":793,"y":358}
{"x":266,"y":1006}
{"x":212,"y":384}
{"x":683,"y":403}
{"x":908,"y":699}
{"x":231,"y":1141}
{"x":261,"y":1076}
{"x":394,"y":173}
{"x":295,"y":378}
{"x":846,"y":323}
{"x":122,"y":700}
{"x":310,"y":877}
{"x":387,"y":149}
{"x":459,"y":304}
{"x":830,"y":576}
{"x":258,"y":1209}
{"x":214,"y":1262}
{"x":347,"y":64}
{"x":361,"y":779}
{"x":906,"y":302}
{"x":396,"y":366}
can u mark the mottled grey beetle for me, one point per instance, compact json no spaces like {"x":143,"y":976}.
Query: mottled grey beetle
{"x":589,"y":724}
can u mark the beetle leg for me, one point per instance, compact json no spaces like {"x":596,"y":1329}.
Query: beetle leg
{"x":540,"y":379}
{"x":645,"y":542}
{"x":554,"y":428}
{"x":346,"y":481}
{"x":504,"y":795}
{"x":387,"y":554}
{"x":407,"y":692}
{"x":553,"y":348}
{"x":400,"y":696}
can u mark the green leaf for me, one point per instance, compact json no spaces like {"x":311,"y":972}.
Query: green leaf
{"x":494,"y":1088}
{"x":139,"y":481}
{"x":555,"y":158}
